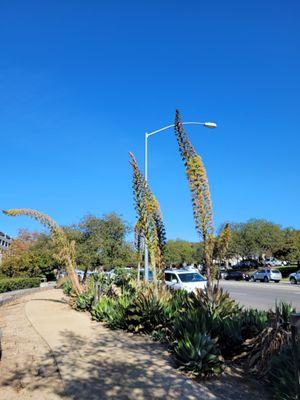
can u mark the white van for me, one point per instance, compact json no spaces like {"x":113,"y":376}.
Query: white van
{"x":185,"y":279}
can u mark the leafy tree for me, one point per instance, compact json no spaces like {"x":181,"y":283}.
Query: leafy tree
{"x":290,"y":249}
{"x":179,"y":251}
{"x":102,"y":242}
{"x":255,"y":238}
{"x":30,"y":254}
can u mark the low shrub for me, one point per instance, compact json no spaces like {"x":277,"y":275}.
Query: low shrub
{"x":286,"y":271}
{"x":9,"y":284}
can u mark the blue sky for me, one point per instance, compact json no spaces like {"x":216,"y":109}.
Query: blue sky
{"x":80,"y":83}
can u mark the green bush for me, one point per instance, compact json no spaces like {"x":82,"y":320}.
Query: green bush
{"x":9,"y":284}
{"x":286,"y":271}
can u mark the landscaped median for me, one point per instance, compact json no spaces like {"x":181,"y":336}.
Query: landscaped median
{"x":206,"y":332}
{"x":10,"y":284}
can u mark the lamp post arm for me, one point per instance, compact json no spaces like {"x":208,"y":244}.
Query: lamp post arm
{"x":172,"y":126}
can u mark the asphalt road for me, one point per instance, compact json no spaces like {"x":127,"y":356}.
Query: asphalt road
{"x":263,"y":295}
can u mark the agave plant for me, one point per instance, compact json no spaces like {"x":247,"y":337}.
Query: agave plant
{"x":146,"y":312}
{"x":116,"y":318}
{"x":191,"y":320}
{"x":84,"y":301}
{"x":281,"y":375}
{"x":253,"y":322}
{"x":199,"y":187}
{"x":66,"y":249}
{"x":216,"y":302}
{"x":101,"y":310}
{"x":270,"y":342}
{"x":198,"y":353}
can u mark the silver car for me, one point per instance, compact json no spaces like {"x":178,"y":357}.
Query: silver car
{"x":267,"y":275}
{"x":294,"y":277}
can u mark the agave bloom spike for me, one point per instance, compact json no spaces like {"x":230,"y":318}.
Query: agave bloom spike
{"x":224,"y":241}
{"x":149,"y":227}
{"x":199,"y":187}
{"x":66,"y":248}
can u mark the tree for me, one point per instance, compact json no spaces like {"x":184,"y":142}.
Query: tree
{"x":102,"y":242}
{"x":199,"y":188}
{"x":30,"y":254}
{"x":178,"y":252}
{"x":290,"y":249}
{"x":66,"y":249}
{"x":256,"y":238}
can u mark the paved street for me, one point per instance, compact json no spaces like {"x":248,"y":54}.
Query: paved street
{"x":263,"y":295}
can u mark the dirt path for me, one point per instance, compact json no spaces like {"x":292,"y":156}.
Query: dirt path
{"x":88,"y":361}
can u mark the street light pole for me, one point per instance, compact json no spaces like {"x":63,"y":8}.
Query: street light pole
{"x":210,"y":125}
{"x":146,"y":268}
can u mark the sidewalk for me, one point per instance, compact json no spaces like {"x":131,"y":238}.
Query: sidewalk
{"x":7,"y":297}
{"x":95,"y":363}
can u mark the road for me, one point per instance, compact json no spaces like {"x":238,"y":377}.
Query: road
{"x":263,"y":295}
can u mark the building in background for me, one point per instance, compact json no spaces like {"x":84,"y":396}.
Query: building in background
{"x":5,"y":242}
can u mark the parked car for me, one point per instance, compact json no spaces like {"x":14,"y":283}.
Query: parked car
{"x":222,"y":272}
{"x":236,"y":275}
{"x":267,"y":275}
{"x":184,"y":279}
{"x":294,"y":277}
{"x":273,"y":262}
{"x":247,"y":264}
{"x":142,"y":274}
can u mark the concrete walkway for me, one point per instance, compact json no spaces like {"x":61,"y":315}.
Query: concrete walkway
{"x":93,"y":363}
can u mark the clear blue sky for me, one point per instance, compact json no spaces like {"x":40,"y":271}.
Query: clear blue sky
{"x":80,"y":82}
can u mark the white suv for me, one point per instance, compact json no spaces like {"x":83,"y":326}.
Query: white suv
{"x":267,"y":275}
{"x":295,"y":277}
{"x":184,"y":279}
{"x":273,"y":262}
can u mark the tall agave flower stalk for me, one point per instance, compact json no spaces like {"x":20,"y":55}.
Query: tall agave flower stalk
{"x":66,"y":248}
{"x":223,"y":243}
{"x":149,"y":227}
{"x":199,"y":187}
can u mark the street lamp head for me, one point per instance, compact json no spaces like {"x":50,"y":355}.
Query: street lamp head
{"x":210,"y":125}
